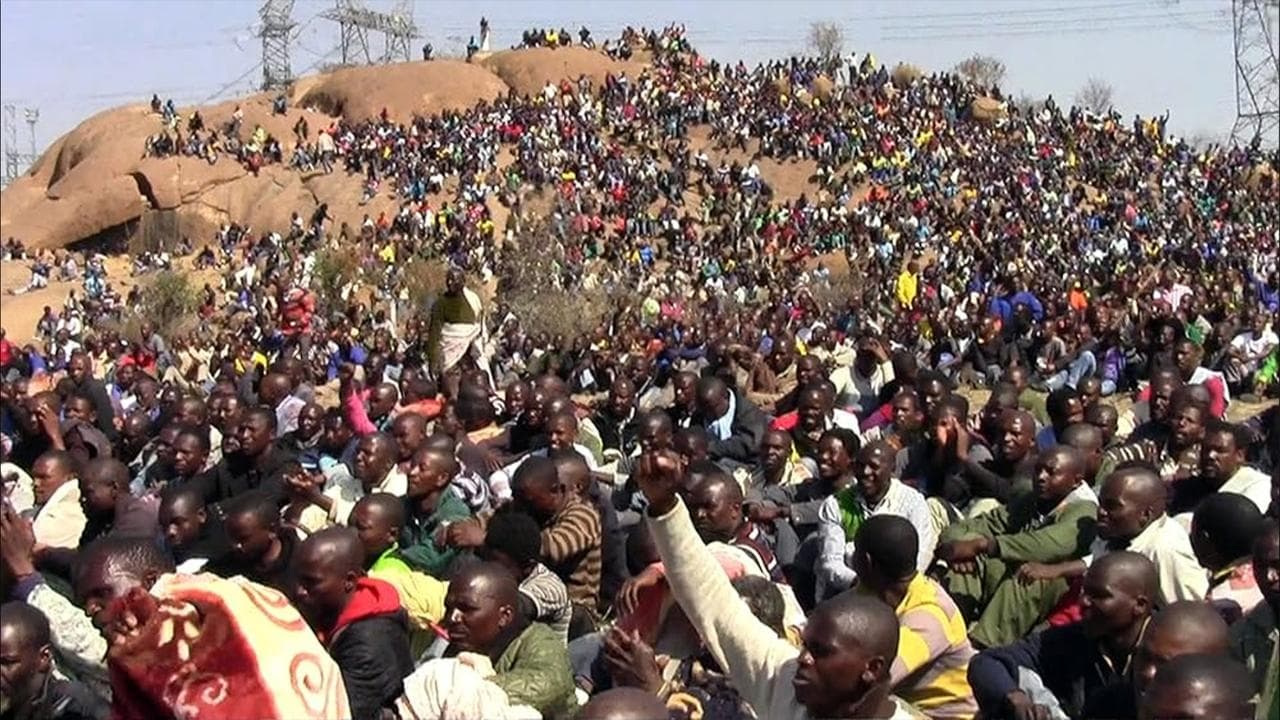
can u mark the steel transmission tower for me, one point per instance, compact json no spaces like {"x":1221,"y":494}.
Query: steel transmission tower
{"x":277,"y":24}
{"x":16,"y":162}
{"x":356,"y":21}
{"x":1255,"y":25}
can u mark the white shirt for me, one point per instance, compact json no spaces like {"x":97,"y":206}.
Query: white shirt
{"x":834,"y":572}
{"x":1167,"y":545}
{"x":1256,"y":343}
{"x":1251,"y":483}
{"x":858,"y":393}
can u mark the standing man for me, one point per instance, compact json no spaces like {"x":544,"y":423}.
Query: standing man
{"x":456,"y":327}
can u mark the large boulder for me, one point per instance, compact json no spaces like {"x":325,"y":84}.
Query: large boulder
{"x":528,"y":70}
{"x":904,"y":74}
{"x":988,"y":109}
{"x":403,"y":90}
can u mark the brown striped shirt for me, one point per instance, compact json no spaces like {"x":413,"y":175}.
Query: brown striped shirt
{"x":571,"y":549}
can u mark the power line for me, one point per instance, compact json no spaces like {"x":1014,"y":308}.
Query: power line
{"x":1052,"y":30}
{"x":1100,"y":22}
{"x":1008,"y":13}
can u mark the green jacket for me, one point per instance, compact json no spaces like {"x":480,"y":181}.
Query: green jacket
{"x":1021,"y":535}
{"x":534,"y":670}
{"x":418,"y":537}
{"x":1253,"y":642}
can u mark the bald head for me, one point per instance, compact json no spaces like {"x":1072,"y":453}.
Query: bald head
{"x":624,"y":703}
{"x":866,"y":621}
{"x":489,"y":579}
{"x":107,"y":471}
{"x":26,"y":625}
{"x":1082,"y":436}
{"x":1133,"y":573}
{"x":336,"y":548}
{"x":274,"y":388}
{"x":1197,"y":687}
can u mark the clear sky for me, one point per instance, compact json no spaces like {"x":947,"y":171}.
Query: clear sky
{"x":72,"y":59}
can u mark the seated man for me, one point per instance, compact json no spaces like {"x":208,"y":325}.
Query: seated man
{"x":1223,"y":530}
{"x":850,"y":641}
{"x":31,"y":689}
{"x":571,"y":534}
{"x":358,"y":619}
{"x":734,"y":424}
{"x":513,"y":540}
{"x":197,"y":545}
{"x":259,"y":546}
{"x":1182,"y":628}
{"x":59,"y":518}
{"x":1078,"y":660}
{"x":931,"y":671}
{"x":1131,"y":517}
{"x":530,"y":662}
{"x":1053,"y":524}
{"x":429,"y":506}
{"x":378,"y":520}
{"x":1254,"y":638}
{"x":1222,"y":469}
{"x":875,"y":492}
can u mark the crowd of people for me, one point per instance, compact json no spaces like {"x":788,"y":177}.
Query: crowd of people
{"x":1018,"y":461}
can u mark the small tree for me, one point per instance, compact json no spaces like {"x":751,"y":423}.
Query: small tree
{"x":1095,"y":95}
{"x":826,"y":39}
{"x":168,"y":300}
{"x":335,"y":269}
{"x":982,"y":70}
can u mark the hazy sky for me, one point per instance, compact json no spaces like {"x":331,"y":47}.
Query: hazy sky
{"x":72,"y":59}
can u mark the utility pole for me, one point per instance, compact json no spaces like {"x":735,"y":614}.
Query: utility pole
{"x":1255,"y":25}
{"x":356,"y":21}
{"x":277,"y":24}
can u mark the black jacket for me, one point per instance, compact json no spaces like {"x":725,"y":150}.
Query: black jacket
{"x":104,"y":411}
{"x":232,"y":477}
{"x":745,"y":433}
{"x":60,"y":700}
{"x":373,"y":655}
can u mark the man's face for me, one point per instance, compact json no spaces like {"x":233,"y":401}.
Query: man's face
{"x":382,"y":402}
{"x":165,"y":453}
{"x":1266,"y":568}
{"x":78,"y":368}
{"x":336,"y":436}
{"x":23,"y":666}
{"x":181,"y":522}
{"x":1017,"y":436}
{"x":1161,"y":395}
{"x":561,"y":432}
{"x":1187,"y":357}
{"x":715,"y":516}
{"x":47,"y":476}
{"x":873,"y":470}
{"x":409,"y":433}
{"x":424,"y":478}
{"x":78,"y":408}
{"x":1120,"y":515}
{"x":654,"y":436}
{"x":189,"y":456}
{"x":254,"y":434}
{"x":1054,"y":477}
{"x":774,"y":451}
{"x":1188,"y":425}
{"x":97,"y":498}
{"x":907,"y":416}
{"x":808,"y":370}
{"x":310,"y":421}
{"x":931,"y":392}
{"x":542,"y":499}
{"x":125,"y":375}
{"x":621,"y":399}
{"x":833,"y":458}
{"x":811,"y":411}
{"x":371,"y":464}
{"x":249,"y":539}
{"x":319,"y":589}
{"x":376,"y":534}
{"x":1219,"y":457}
{"x":685,"y":387}
{"x":473,"y":617}
{"x":1106,"y":607}
{"x":516,"y":396}
{"x":97,"y":586}
{"x":832,"y":669}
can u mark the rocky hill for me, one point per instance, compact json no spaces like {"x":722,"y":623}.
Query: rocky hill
{"x":94,"y":181}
